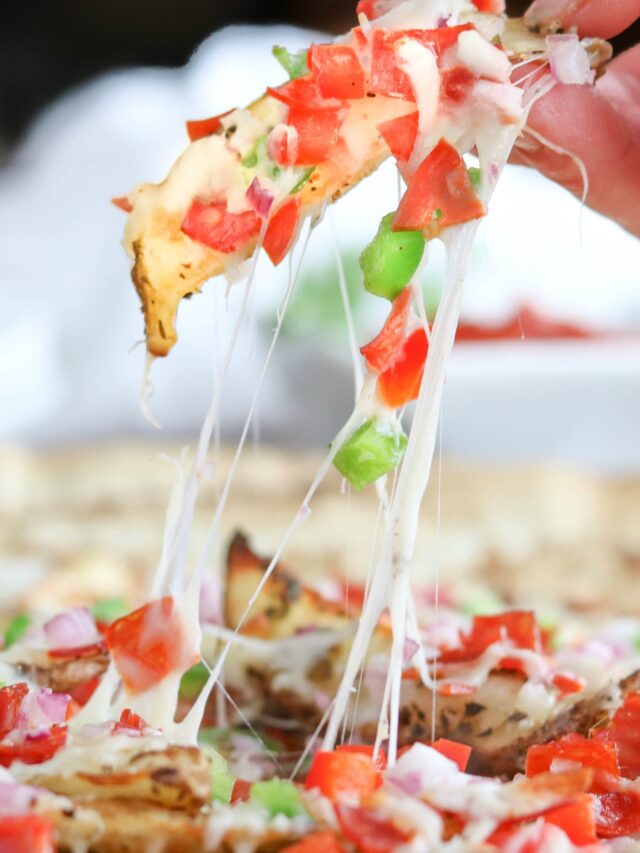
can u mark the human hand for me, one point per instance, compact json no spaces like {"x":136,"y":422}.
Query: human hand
{"x":600,"y":125}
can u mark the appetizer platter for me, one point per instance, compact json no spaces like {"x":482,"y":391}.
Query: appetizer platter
{"x":237,"y":707}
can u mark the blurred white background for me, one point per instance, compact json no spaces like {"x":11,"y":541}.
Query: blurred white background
{"x":69,"y":315}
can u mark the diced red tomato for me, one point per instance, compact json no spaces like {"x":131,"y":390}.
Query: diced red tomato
{"x":281,"y":229}
{"x":381,"y":352}
{"x":303,"y":92}
{"x":440,"y":194}
{"x":400,"y":135}
{"x":518,"y":626}
{"x":130,"y":720}
{"x":317,"y":842}
{"x":34,"y":749}
{"x":343,"y":775}
{"x":147,"y":644}
{"x":368,"y":832}
{"x":364,"y":749}
{"x":573,"y":747}
{"x":512,"y":664}
{"x":400,"y":383}
{"x":26,"y":833}
{"x":81,"y":693}
{"x":568,"y":683}
{"x":122,"y":202}
{"x":317,"y":133}
{"x":241,"y":791}
{"x":456,"y":688}
{"x":360,"y":39}
{"x":455,"y":83}
{"x":351,"y":596}
{"x":211,"y":223}
{"x":625,"y":731}
{"x":205,"y":126}
{"x":337,"y":71}
{"x":372,"y":8}
{"x":457,"y":752}
{"x":526,"y":323}
{"x":387,"y":78}
{"x":72,"y":709}
{"x":10,"y":701}
{"x":493,"y":7}
{"x":79,"y":651}
{"x":617,"y":814}
{"x":576,"y":819}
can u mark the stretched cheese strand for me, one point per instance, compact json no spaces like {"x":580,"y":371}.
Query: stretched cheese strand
{"x":392,"y":575}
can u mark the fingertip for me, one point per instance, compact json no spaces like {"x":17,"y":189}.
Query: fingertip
{"x":600,"y":18}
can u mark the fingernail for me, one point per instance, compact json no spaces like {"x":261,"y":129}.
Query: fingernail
{"x":526,"y":142}
{"x":544,"y":11}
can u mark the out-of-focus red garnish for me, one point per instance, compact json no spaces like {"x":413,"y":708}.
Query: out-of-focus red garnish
{"x":343,"y":775}
{"x":148,"y":644}
{"x":11,"y":698}
{"x":34,"y":749}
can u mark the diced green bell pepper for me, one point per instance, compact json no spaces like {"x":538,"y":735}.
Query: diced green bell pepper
{"x":373,"y":450}
{"x":259,"y":157}
{"x":295,"y":64}
{"x":222,"y":780}
{"x":474,"y":175}
{"x":109,"y":609}
{"x":15,"y":629}
{"x":193,"y":681}
{"x":391,"y":259}
{"x":278,"y":797}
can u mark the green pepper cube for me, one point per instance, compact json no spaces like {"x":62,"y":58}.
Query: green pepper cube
{"x":222,"y":780}
{"x":373,"y":450}
{"x":193,"y":681}
{"x":474,"y":175}
{"x":391,"y":259}
{"x":250,"y":161}
{"x":295,"y":64}
{"x":109,"y":609}
{"x":15,"y":629}
{"x":278,"y":797}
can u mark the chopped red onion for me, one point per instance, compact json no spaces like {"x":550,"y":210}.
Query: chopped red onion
{"x":420,"y":767}
{"x":259,"y":198}
{"x":42,"y":708}
{"x":210,"y":606}
{"x":569,"y":60}
{"x":16,"y":799}
{"x":70,"y":629}
{"x":96,"y":730}
{"x":409,"y":649}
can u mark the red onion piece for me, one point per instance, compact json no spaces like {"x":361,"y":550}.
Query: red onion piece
{"x":16,"y":799}
{"x":418,"y":768}
{"x":71,"y":629}
{"x":42,"y":708}
{"x":96,"y":730}
{"x":409,"y":649}
{"x":259,"y":198}
{"x":569,"y":60}
{"x":210,"y":604}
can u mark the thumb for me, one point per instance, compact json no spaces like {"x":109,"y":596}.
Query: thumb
{"x":603,"y":18}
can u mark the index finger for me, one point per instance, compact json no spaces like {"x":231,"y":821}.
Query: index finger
{"x":602,"y":18}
